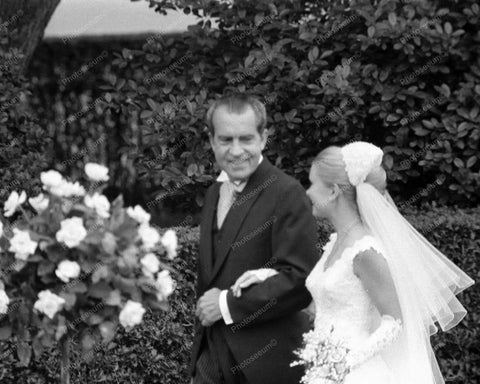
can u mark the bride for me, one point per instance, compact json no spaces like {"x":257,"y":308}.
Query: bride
{"x":380,"y":286}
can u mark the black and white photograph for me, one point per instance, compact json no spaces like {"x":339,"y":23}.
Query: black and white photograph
{"x":239,"y":192}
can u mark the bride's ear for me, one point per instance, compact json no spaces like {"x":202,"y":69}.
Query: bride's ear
{"x":336,"y":191}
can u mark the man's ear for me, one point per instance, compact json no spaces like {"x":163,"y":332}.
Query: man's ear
{"x":210,"y":139}
{"x":264,"y":138}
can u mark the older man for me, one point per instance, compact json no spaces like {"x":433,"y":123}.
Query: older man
{"x":254,"y":217}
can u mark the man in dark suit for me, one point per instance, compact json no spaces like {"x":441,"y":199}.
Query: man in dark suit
{"x":254,"y":217}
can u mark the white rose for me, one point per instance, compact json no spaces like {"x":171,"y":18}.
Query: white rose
{"x":13,"y":202}
{"x":67,"y":270}
{"x":49,"y":303}
{"x":138,"y":214}
{"x":150,"y":264}
{"x":71,"y":232}
{"x":51,"y":179}
{"x":22,"y":245}
{"x":165,"y":285}
{"x":170,"y":242}
{"x":60,"y":189}
{"x":149,"y":236}
{"x":96,"y":172}
{"x":68,"y":189}
{"x":4,"y":301}
{"x":131,"y":314}
{"x":99,"y":203}
{"x":39,"y":203}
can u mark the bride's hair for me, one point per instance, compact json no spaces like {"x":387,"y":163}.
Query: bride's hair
{"x":330,"y":167}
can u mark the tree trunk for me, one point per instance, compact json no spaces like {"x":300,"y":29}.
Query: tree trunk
{"x":29,"y":18}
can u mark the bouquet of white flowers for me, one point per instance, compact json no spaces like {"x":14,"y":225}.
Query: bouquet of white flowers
{"x":79,"y":267}
{"x":324,"y":357}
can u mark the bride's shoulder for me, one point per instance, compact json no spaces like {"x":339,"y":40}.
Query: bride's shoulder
{"x":362,"y":240}
{"x":368,"y":255}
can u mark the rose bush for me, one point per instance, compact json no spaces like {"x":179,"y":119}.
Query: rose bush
{"x":79,"y":267}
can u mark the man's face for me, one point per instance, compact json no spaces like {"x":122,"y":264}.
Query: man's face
{"x":236,"y":143}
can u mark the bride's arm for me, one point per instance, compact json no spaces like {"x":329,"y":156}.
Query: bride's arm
{"x":253,"y":276}
{"x":256,"y":276}
{"x":372,"y":270}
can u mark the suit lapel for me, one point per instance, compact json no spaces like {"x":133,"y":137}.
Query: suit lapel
{"x":238,"y":212}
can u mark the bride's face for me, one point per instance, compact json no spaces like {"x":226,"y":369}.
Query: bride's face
{"x":321,"y":195}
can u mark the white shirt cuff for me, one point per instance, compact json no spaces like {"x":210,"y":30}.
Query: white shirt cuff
{"x":222,"y":300}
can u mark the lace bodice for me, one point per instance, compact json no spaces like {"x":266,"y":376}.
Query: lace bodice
{"x":340,"y":299}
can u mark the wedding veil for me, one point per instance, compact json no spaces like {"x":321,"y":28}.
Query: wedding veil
{"x":426,"y":282}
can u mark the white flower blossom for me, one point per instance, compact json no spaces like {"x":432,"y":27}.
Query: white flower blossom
{"x":150,"y":264}
{"x":22,"y":245}
{"x":49,"y":303}
{"x":13,"y":202}
{"x":67,"y":270}
{"x":71,"y":232}
{"x":131,"y":314}
{"x":4,"y":301}
{"x":170,"y":242}
{"x":51,"y":179}
{"x":138,"y":214}
{"x":96,"y":172}
{"x":149,"y":236}
{"x":99,"y":203}
{"x":165,"y":285}
{"x":68,"y":189}
{"x":39,"y":203}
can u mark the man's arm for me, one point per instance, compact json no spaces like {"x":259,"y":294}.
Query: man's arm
{"x":293,"y":246}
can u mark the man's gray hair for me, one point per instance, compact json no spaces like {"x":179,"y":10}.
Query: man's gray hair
{"x":238,"y":103}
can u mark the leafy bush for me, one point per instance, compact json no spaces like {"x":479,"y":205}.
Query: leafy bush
{"x":401,"y":74}
{"x":158,"y":351}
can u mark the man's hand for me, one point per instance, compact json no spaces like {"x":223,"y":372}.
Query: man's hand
{"x":208,"y":308}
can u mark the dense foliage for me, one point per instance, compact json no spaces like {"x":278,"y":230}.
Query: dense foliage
{"x":158,"y":350}
{"x":402,"y":74}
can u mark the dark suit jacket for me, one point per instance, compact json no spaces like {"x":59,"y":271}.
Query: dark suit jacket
{"x":269,"y":226}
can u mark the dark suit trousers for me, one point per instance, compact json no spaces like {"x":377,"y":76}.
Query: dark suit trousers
{"x":215,"y":362}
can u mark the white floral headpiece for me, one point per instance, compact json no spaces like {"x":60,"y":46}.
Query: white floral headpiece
{"x":360,"y":159}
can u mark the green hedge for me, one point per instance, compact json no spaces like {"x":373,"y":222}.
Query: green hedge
{"x":403,"y":75}
{"x":340,"y":75}
{"x":158,"y":351}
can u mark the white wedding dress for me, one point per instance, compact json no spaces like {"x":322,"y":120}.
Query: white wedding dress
{"x":342,"y":303}
{"x":382,"y":350}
